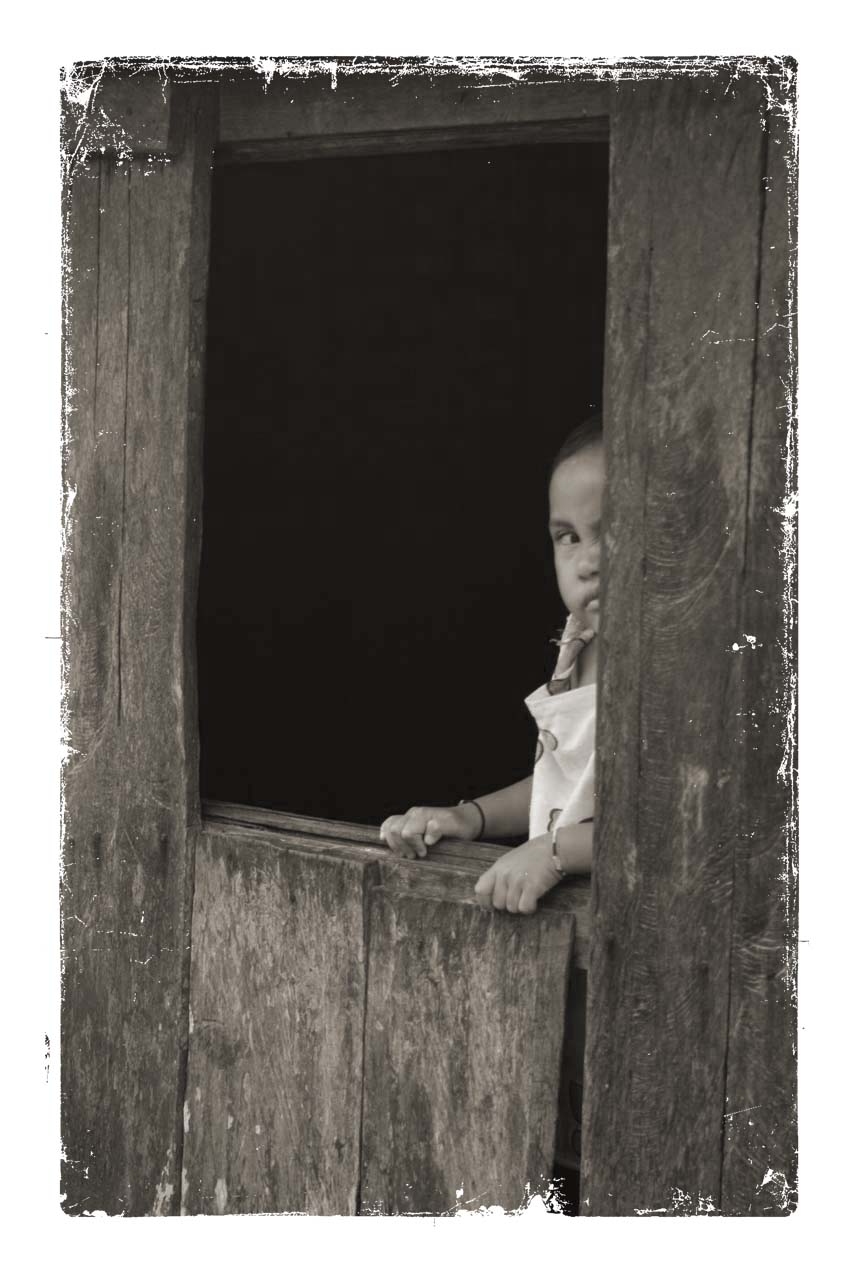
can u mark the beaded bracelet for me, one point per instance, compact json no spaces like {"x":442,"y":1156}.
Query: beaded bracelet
{"x":561,"y":871}
{"x":564,"y":872}
{"x":472,"y":802}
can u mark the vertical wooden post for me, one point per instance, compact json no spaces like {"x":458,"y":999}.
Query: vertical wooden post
{"x":683,"y":902}
{"x":759,"y":1153}
{"x":136,"y":235}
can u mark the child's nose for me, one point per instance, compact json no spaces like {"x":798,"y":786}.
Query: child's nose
{"x":589,"y":562}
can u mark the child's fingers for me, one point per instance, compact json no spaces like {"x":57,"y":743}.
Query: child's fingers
{"x":484,"y":885}
{"x":500,"y":892}
{"x":514,"y":891}
{"x":528,"y":899}
{"x":417,"y":842}
{"x":391,"y":833}
{"x":415,"y":823}
{"x":386,"y":831}
{"x":433,"y":832}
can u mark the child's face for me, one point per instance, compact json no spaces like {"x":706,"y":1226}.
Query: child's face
{"x":575,"y":521}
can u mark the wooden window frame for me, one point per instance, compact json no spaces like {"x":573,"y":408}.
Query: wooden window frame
{"x":693,"y":900}
{"x":247,"y":136}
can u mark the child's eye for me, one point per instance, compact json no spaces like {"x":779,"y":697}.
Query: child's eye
{"x":566,"y":537}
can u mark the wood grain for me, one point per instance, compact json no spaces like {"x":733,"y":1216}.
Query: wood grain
{"x":411,"y":141}
{"x":289,"y":107}
{"x":463,"y":1040}
{"x":137,"y":237}
{"x":759,"y":1155}
{"x":686,"y":172}
{"x":278,"y":994}
{"x":115,"y":111}
{"x":449,"y":871}
{"x":280,"y":985}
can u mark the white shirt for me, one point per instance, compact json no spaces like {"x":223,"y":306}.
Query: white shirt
{"x":563,"y":788}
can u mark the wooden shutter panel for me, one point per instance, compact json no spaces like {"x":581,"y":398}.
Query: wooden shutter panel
{"x":690,"y":911}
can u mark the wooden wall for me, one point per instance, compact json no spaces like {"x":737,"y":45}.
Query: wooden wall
{"x":365,"y":1038}
{"x":691,"y":973}
{"x":169,"y":924}
{"x":136,"y":260}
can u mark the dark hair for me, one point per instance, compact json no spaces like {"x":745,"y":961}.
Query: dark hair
{"x":584,"y":434}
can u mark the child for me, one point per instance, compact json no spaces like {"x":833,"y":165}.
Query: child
{"x":553,"y":807}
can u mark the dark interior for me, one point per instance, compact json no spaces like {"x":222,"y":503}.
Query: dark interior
{"x":396,"y":347}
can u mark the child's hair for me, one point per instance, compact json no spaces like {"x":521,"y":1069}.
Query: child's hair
{"x":580,"y":436}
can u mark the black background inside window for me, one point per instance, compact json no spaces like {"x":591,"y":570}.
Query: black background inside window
{"x":396,"y":347}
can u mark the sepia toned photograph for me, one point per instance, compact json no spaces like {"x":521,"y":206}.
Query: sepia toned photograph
{"x":429,"y":814}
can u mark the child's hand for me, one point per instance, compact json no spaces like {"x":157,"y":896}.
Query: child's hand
{"x":413,"y":833}
{"x":520,"y":877}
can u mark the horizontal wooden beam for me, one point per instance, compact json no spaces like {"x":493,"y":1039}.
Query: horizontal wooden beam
{"x":411,"y":141}
{"x":292,"y":107}
{"x":449,"y":872}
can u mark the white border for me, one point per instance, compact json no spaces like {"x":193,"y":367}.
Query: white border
{"x":31,"y":508}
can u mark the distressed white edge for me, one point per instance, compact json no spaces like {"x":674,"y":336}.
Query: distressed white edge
{"x":94,"y":131}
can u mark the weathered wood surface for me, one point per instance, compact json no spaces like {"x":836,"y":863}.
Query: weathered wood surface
{"x":120,"y":112}
{"x":692,"y":917}
{"x":290,"y":106}
{"x":318,"y":968}
{"x":684,"y":251}
{"x":409,"y":141}
{"x":137,"y":248}
{"x":759,"y":1157}
{"x":450,"y":870}
{"x":464,"y":1029}
{"x":278,"y":995}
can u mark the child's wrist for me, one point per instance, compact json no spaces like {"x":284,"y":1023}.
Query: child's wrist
{"x":557,"y":863}
{"x":570,"y":848}
{"x":471,"y":813}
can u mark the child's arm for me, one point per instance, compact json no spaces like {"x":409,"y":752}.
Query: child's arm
{"x":520,"y":877}
{"x":505,"y":814}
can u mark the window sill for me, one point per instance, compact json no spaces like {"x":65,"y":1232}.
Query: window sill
{"x":449,"y":871}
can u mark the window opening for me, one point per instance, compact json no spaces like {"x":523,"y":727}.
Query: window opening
{"x":396,"y":347}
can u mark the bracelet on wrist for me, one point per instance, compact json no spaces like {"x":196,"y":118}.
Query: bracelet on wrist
{"x":559,"y":868}
{"x":477,"y":805}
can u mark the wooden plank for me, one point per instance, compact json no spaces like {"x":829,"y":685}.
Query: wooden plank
{"x":684,"y":249}
{"x":338,"y":830}
{"x":454,"y":881}
{"x":95,"y":339}
{"x":450,"y":871}
{"x":278,"y":994}
{"x":273,"y":1100}
{"x":411,"y":141}
{"x":87,"y":652}
{"x":130,"y":783}
{"x":464,"y":1030}
{"x":364,"y":834}
{"x":759,"y":1159}
{"x":312,"y":106}
{"x":287,"y":821}
{"x":119,"y":110}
